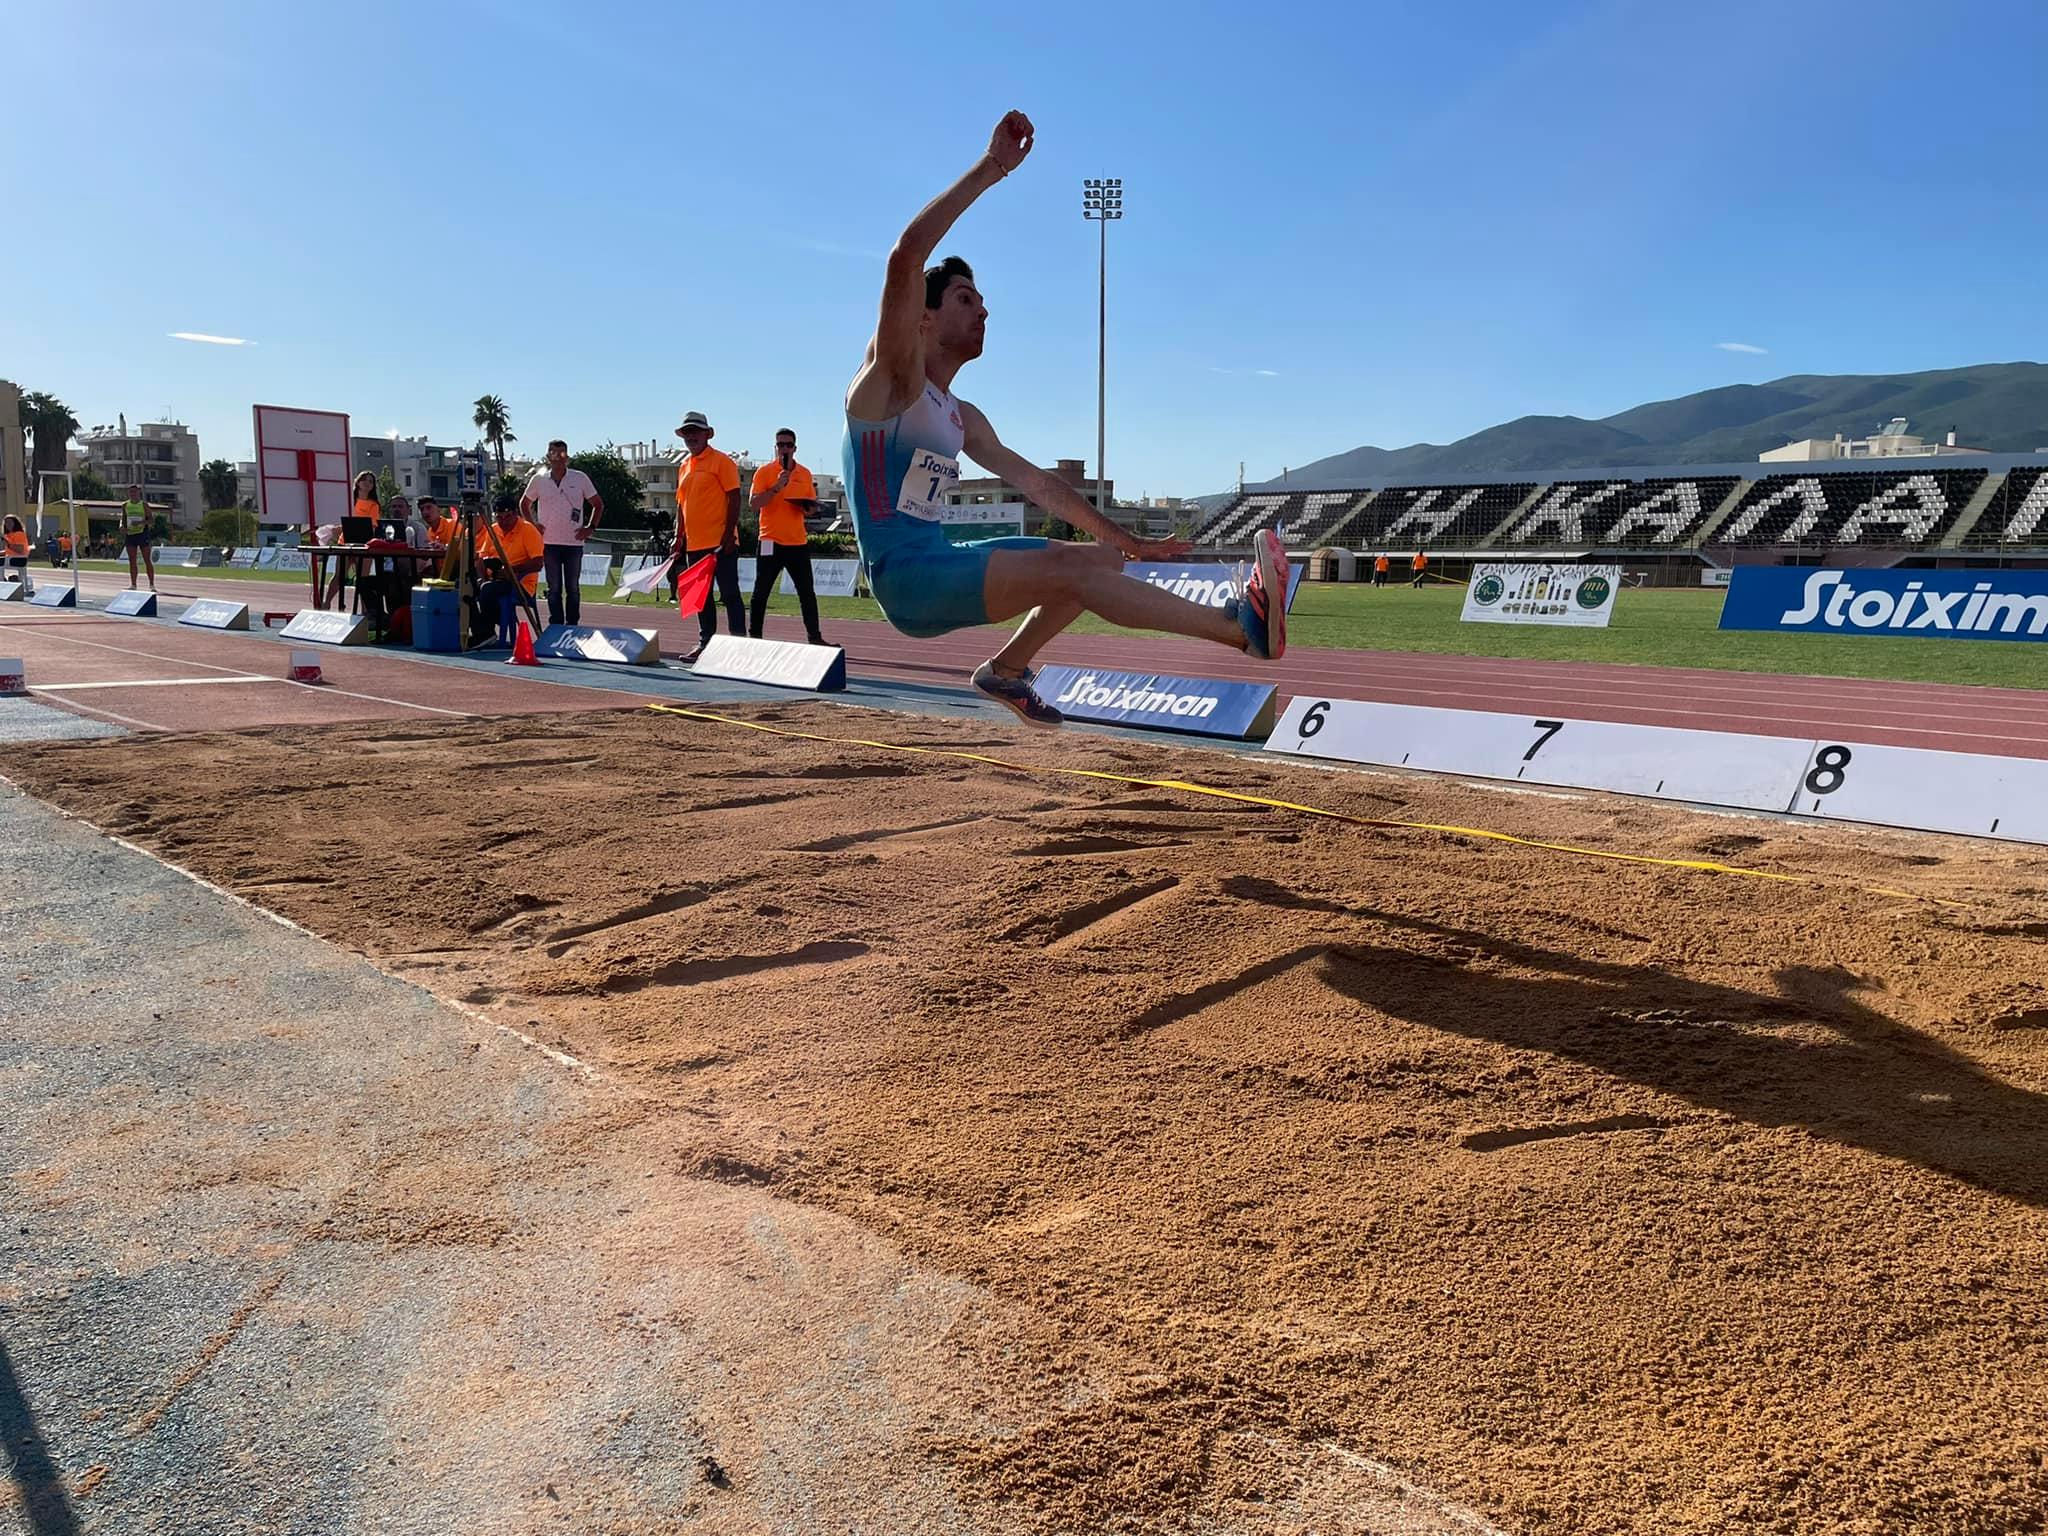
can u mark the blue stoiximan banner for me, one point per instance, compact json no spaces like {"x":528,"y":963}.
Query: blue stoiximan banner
{"x":1921,"y":605}
{"x":1209,"y":585}
{"x":1202,"y":705}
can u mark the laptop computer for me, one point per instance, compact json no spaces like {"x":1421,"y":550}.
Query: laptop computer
{"x":358,"y":530}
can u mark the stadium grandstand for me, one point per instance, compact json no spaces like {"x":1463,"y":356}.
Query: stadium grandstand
{"x":1674,"y":517}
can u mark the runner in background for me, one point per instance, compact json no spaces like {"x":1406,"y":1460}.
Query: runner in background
{"x":138,"y":530}
{"x":783,"y":492}
{"x":905,"y":430}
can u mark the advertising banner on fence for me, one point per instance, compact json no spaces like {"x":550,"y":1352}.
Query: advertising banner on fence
{"x":1201,"y":705}
{"x":1210,"y":585}
{"x":1542,"y":592}
{"x":1939,"y":605}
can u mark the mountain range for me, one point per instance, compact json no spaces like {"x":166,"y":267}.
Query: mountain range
{"x":2002,"y":407}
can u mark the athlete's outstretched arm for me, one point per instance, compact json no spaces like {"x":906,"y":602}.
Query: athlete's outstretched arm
{"x":1052,"y":493}
{"x":894,"y":354}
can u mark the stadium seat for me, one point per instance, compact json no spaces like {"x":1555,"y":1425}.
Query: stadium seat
{"x":1908,"y":507}
{"x":1599,"y":514}
{"x":1439,"y":516}
{"x":2017,"y":514}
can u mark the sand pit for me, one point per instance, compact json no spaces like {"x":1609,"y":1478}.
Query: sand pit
{"x":1599,"y":1196}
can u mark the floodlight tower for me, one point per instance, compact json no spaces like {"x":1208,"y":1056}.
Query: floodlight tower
{"x":1101,"y":201}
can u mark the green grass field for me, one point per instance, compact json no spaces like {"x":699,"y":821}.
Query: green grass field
{"x":1656,"y":627}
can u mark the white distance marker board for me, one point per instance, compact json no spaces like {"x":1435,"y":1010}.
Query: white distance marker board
{"x":1970,"y":793}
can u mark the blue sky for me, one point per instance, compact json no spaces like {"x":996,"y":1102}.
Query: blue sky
{"x":1346,"y":224}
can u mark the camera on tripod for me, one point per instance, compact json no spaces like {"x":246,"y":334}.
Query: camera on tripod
{"x":661,"y":528}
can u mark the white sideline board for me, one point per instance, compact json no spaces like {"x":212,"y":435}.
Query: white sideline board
{"x":1969,"y":792}
{"x":1983,"y":796}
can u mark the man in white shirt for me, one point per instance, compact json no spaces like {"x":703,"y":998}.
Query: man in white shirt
{"x":555,"y":501}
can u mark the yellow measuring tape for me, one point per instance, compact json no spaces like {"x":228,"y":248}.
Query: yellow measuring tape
{"x":1486,"y":834}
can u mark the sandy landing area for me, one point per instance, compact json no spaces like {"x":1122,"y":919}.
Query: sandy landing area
{"x":1601,"y":1197}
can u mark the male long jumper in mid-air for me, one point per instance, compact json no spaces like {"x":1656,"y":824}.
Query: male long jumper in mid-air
{"x":905,"y":431}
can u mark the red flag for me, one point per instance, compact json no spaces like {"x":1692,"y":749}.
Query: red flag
{"x":693,"y":587}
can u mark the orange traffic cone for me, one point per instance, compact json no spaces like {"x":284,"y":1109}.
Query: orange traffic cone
{"x":522,"y":648}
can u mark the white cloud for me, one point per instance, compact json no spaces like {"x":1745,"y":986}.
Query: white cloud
{"x":214,"y":341}
{"x":1267,"y":373}
{"x":1743,"y":346}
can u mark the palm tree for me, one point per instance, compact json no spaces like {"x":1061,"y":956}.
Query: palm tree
{"x":50,"y":423}
{"x":219,"y":484}
{"x":495,"y":422}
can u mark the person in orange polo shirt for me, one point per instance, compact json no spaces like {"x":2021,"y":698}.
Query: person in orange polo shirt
{"x":525,"y":552}
{"x":440,"y":529}
{"x":783,"y":494}
{"x":1420,"y":565}
{"x":1379,"y":570}
{"x":708,"y":512}
{"x":14,"y":549}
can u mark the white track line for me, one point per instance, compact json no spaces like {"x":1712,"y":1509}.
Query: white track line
{"x":152,"y":682}
{"x":129,"y":650}
{"x":236,"y":676}
{"x":432,"y":709}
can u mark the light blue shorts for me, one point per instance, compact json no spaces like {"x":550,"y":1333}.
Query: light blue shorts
{"x":927,"y":585}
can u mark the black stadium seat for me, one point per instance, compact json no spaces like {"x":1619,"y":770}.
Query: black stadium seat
{"x":1905,"y":506}
{"x":2017,"y":514}
{"x":1304,"y":518}
{"x":1626,"y":514}
{"x":1440,"y":516}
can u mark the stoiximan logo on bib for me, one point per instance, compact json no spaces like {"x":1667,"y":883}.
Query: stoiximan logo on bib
{"x":1593,"y":591}
{"x":1488,"y":590}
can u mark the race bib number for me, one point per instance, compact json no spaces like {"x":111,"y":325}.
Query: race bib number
{"x":925,"y":484}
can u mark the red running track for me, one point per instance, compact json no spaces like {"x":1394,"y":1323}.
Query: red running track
{"x":156,"y":678}
{"x":2011,"y":722}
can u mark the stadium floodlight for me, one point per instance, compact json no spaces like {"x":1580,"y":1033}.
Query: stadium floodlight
{"x":1102,"y":199}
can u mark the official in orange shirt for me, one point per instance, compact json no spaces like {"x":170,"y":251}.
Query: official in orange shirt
{"x":708,"y":513}
{"x":437,"y":525}
{"x":525,"y":552}
{"x":14,"y":537}
{"x":784,"y":494}
{"x":1420,"y":565}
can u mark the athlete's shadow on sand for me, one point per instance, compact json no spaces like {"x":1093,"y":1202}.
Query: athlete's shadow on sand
{"x":1814,"y":1056}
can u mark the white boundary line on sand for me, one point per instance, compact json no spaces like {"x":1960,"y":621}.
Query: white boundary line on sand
{"x":559,"y":1058}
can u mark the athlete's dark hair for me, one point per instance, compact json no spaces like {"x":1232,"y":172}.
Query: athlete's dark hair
{"x":556,"y":442}
{"x":790,"y":430}
{"x":936,"y":279}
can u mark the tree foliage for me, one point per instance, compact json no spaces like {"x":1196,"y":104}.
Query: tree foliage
{"x":219,"y":485}
{"x":228,"y":528}
{"x":495,"y":422}
{"x":49,"y":424}
{"x":616,"y":483}
{"x":88,"y":485}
